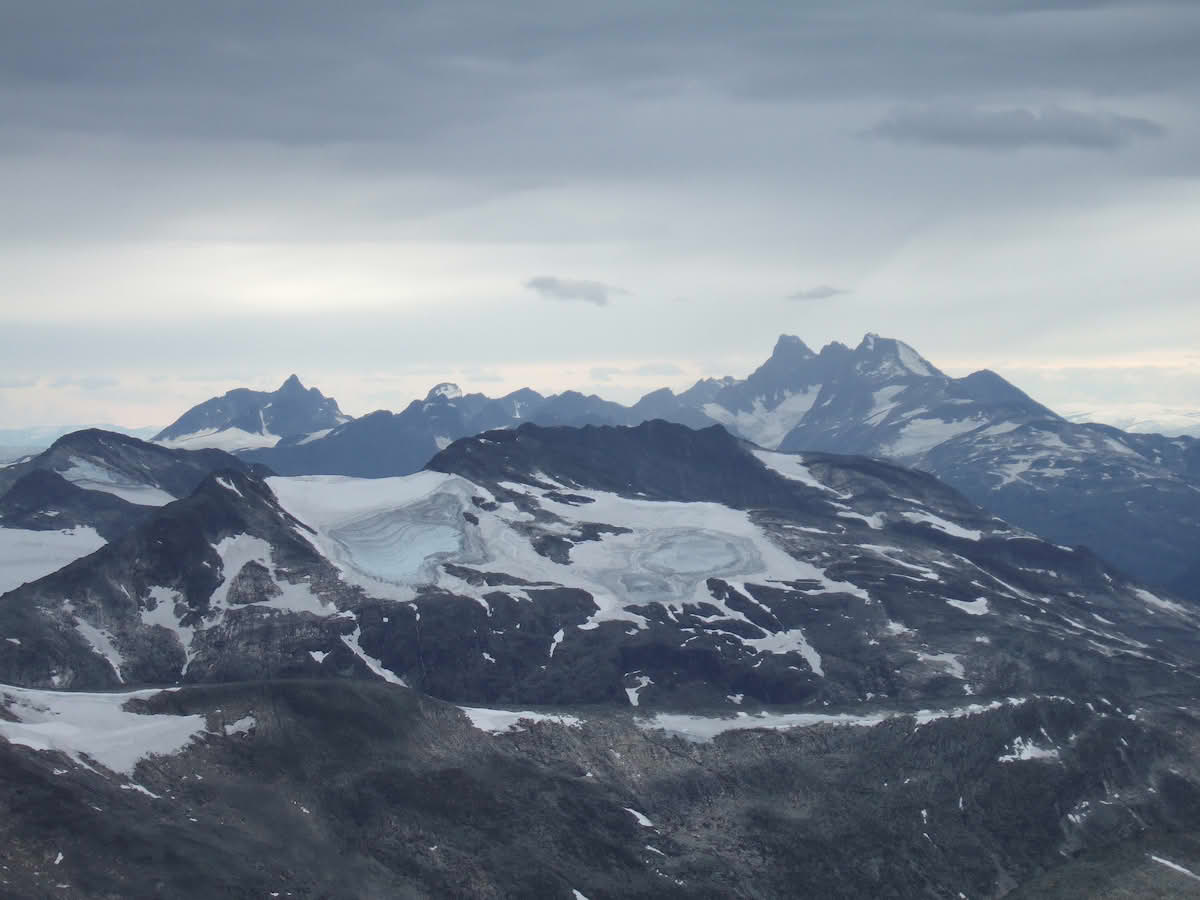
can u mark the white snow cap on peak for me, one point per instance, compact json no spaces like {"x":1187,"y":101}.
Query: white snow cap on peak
{"x":913,"y":361}
{"x":446,"y":389}
{"x":899,"y":354}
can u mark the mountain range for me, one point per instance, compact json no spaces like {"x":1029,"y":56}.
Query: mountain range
{"x":556,"y":646}
{"x":1133,"y":498}
{"x":242,"y":419}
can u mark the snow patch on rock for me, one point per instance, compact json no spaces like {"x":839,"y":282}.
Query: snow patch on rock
{"x":94,"y":728}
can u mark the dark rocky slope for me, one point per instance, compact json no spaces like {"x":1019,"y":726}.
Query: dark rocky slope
{"x":350,"y":789}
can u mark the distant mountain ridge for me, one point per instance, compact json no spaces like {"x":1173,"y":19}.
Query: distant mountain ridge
{"x":19,"y":443}
{"x":1134,"y":498}
{"x":796,"y":399}
{"x":242,"y":418}
{"x":383,"y":443}
{"x":884,"y":399}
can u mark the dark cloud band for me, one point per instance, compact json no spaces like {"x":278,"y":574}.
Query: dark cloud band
{"x":1013,"y":129}
{"x":820,"y":292}
{"x":554,"y":288}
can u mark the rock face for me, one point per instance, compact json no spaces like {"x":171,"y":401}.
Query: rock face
{"x":243,"y":418}
{"x":774,"y":674}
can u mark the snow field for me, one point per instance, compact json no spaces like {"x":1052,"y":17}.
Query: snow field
{"x":791,"y":466}
{"x":391,"y":535}
{"x":501,"y":721}
{"x":29,"y":555}
{"x":766,"y":427}
{"x":95,"y":726}
{"x":92,"y":477}
{"x":920,"y":435}
{"x":228,"y":439}
{"x":702,"y":729}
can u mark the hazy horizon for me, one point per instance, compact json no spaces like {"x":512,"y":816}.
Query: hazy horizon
{"x":622,"y":384}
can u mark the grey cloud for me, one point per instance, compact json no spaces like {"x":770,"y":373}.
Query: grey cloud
{"x":554,"y":288}
{"x":85,"y":382}
{"x":1012,"y":129}
{"x":303,"y":73}
{"x":820,"y":292}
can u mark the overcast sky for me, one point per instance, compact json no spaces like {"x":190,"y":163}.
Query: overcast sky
{"x":608,"y":197}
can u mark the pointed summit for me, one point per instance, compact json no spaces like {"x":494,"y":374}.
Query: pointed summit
{"x":447,"y":390}
{"x":242,"y":419}
{"x":890,"y":357}
{"x":791,"y":347}
{"x":788,"y":364}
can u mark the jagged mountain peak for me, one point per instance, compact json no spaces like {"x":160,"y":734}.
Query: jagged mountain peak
{"x":789,"y":352}
{"x":835,"y":348}
{"x":242,"y":419}
{"x":446,"y":390}
{"x":292,"y":383}
{"x":790,"y":346}
{"x":891,"y":358}
{"x":868,"y":341}
{"x":663,"y":393}
{"x":706,"y":390}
